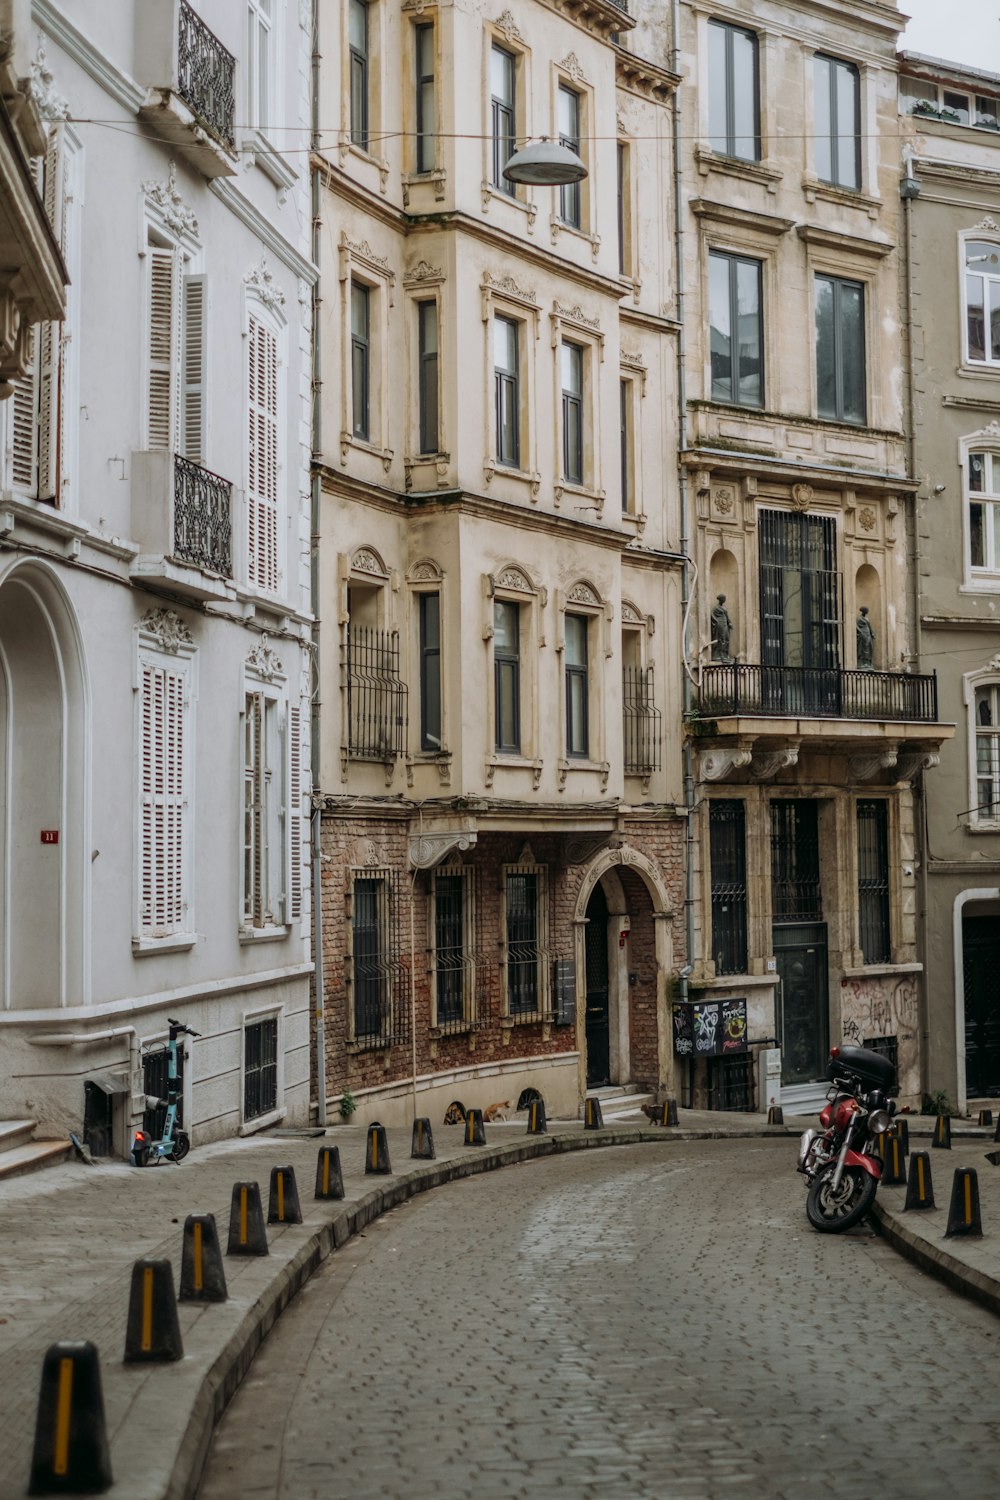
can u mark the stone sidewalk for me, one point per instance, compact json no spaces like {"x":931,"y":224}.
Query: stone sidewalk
{"x":72,"y":1233}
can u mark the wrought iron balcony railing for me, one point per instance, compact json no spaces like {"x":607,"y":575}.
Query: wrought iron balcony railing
{"x":818,"y":692}
{"x":207,"y":73}
{"x":641,"y":722}
{"x":376,"y":697}
{"x":203,"y":518}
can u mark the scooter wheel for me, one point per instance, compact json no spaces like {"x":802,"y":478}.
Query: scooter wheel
{"x":831,"y":1212}
{"x":182,"y":1145}
{"x":140,"y":1158}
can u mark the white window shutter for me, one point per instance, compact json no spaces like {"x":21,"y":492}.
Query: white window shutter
{"x":262,"y":478}
{"x":296,"y":850}
{"x":255,"y":828}
{"x":49,"y":380}
{"x":164,"y":313}
{"x":24,"y":436}
{"x":162,"y":800}
{"x":193,"y":373}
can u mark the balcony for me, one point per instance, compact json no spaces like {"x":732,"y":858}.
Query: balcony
{"x":741,"y":688}
{"x":182,"y":519}
{"x":190,"y":78}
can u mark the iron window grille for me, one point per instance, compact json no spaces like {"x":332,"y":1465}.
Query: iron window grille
{"x":379,"y":1013}
{"x":359,"y":54}
{"x":526,"y":956}
{"x":873,"y":881}
{"x":727,"y":856}
{"x":838,"y":122}
{"x":260,"y":1068}
{"x":203,"y":524}
{"x":376,"y":696}
{"x":569,"y":136}
{"x":426,"y":101}
{"x":641,"y":721}
{"x":840,"y":350}
{"x":154,"y":1086}
{"x":429,"y":625}
{"x":731,"y":1083}
{"x":206,"y":75}
{"x":460,"y":1001}
{"x":507,"y":675}
{"x":736,"y":334}
{"x":503,"y":83}
{"x":734,"y":101}
{"x":796,"y":895}
{"x":360,"y":361}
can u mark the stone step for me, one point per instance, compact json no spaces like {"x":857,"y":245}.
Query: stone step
{"x":622,"y":1103}
{"x":14,"y":1133}
{"x":18,"y":1160}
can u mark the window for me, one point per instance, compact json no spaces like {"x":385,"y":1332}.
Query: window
{"x":176,"y":354}
{"x":873,"y":881}
{"x":454,"y":918}
{"x":727,"y":854}
{"x":359,"y":54}
{"x":984,"y":511}
{"x":426,"y":96}
{"x":376,"y":695}
{"x":920,"y":97}
{"x":260,"y":61}
{"x":361,"y":360}
{"x":260,"y":1068}
{"x":506,"y":375}
{"x":430,"y":670}
{"x":272,"y":811}
{"x":165,"y":812}
{"x":799,"y":609}
{"x":378,"y":1012}
{"x":986,"y":708}
{"x":982,"y":301}
{"x":796,"y":894}
{"x":577,"y":687}
{"x":838,"y":122}
{"x":263,"y":456}
{"x":624,"y":211}
{"x":569,"y":135}
{"x":571,"y":369}
{"x":427,"y":378}
{"x":525,"y":927}
{"x":503,"y":99}
{"x":840,"y":349}
{"x":507,"y":675}
{"x":625,"y":442}
{"x":736,"y":333}
{"x":733,"y":97}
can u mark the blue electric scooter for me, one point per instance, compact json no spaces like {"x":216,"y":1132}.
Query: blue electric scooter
{"x":174,"y":1144}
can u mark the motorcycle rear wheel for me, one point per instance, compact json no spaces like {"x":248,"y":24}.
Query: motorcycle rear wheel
{"x":832,"y":1212}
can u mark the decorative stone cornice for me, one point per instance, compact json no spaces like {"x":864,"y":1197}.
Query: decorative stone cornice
{"x":506,"y":286}
{"x":714,"y":765}
{"x":175,"y":213}
{"x":576,"y":315}
{"x":428,"y":849}
{"x":423,"y":274}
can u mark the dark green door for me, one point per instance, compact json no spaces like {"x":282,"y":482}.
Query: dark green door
{"x":804,"y":1027}
{"x":598,"y":1036}
{"x":981,"y":963}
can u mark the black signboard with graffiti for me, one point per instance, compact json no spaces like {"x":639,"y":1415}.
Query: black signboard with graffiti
{"x":710,"y":1028}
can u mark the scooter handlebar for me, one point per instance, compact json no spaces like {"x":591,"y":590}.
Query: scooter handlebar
{"x":179,"y":1026}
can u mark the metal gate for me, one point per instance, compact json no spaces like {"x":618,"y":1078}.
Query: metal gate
{"x":598,"y":1030}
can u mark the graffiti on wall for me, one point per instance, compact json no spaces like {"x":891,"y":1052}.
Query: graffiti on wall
{"x":878,"y":1007}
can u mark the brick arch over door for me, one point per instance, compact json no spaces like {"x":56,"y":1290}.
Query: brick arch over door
{"x":639,"y":968}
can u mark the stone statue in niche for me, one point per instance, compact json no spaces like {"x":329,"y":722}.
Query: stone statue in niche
{"x":722,"y":629}
{"x":866,"y":640}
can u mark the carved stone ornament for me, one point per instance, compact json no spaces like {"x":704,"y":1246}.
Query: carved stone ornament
{"x":582,"y":593}
{"x":993,"y":665}
{"x":175,"y":213}
{"x":508,"y":287}
{"x":363,"y":251}
{"x":631,"y":359}
{"x":571,"y":65}
{"x":421,"y":272}
{"x":724,"y":497}
{"x":429,"y":849}
{"x":801,"y":496}
{"x":425,"y":572}
{"x":992,"y":431}
{"x":990,"y":225}
{"x":508,"y":26}
{"x":630,"y":615}
{"x":365,"y":561}
{"x":582,"y":850}
{"x":265,"y":661}
{"x":42,"y":87}
{"x":261,"y":280}
{"x":513,"y":578}
{"x":912,"y":762}
{"x":767,"y":763}
{"x":866,"y":518}
{"x":577,"y":315}
{"x":715,"y":764}
{"x":167,"y":629}
{"x":866,"y":767}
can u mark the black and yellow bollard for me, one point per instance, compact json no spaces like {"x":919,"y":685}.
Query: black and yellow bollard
{"x":203,"y":1275}
{"x":152,"y":1333}
{"x":996,"y":1133}
{"x":964,"y":1216}
{"x":919,"y":1187}
{"x":776,"y":1115}
{"x":942,"y":1132}
{"x":985,"y":1117}
{"x":894,"y":1161}
{"x":377,"y":1151}
{"x":593,"y":1119}
{"x":537,"y":1124}
{"x":247,"y":1235}
{"x":283,"y":1197}
{"x":422,"y":1147}
{"x":329,"y":1177}
{"x":71,"y":1454}
{"x":901,"y":1130}
{"x":475,"y":1130}
{"x":670,"y":1112}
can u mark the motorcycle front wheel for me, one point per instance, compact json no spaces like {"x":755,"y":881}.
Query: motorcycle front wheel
{"x":832,"y":1211}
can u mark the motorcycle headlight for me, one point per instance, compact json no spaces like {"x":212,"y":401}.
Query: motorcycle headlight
{"x":879,"y":1121}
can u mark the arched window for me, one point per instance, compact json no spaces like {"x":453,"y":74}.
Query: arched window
{"x":982,"y":302}
{"x":982,"y":483}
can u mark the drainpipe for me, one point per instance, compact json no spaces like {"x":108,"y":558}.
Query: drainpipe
{"x":314,"y":601}
{"x":688,"y":754}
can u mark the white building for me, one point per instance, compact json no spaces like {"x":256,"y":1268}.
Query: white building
{"x":154,"y":579}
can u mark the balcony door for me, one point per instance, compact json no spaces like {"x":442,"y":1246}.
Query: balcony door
{"x":598,"y":997}
{"x":799,"y":612}
{"x":981,"y":966}
{"x":798,"y":937}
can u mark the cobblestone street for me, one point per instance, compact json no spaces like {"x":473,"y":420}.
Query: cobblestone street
{"x":619,"y":1324}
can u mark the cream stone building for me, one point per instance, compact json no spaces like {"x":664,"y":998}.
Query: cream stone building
{"x":501,"y":591}
{"x":810,"y":717}
{"x":950,"y":118}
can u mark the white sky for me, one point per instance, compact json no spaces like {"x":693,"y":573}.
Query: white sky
{"x":963,"y":31}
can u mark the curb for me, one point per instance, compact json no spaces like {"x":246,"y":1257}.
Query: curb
{"x":230,"y":1366}
{"x":978,"y":1286}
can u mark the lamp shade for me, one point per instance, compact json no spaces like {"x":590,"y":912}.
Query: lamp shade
{"x":546,"y":163}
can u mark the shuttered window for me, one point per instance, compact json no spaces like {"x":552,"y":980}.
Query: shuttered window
{"x":262,"y":486}
{"x":163,"y":800}
{"x":298,"y":826}
{"x":193,"y":371}
{"x":176,"y":390}
{"x":273,"y":826}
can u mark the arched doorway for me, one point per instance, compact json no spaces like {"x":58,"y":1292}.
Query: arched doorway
{"x":981,"y":975}
{"x":598,"y":994}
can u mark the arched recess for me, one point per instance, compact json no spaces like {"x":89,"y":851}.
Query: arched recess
{"x":44,"y":791}
{"x":868,"y":592}
{"x":724,"y":578}
{"x":639,"y":965}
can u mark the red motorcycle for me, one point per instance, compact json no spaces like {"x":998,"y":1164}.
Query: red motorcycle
{"x":839,"y":1161}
